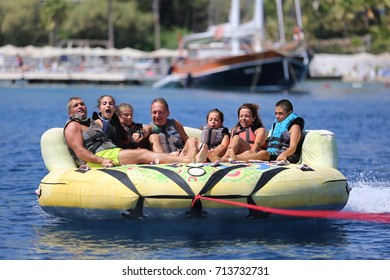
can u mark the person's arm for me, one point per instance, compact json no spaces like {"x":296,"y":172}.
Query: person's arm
{"x":142,"y":133}
{"x":74,"y":138}
{"x":147,"y":130}
{"x":261,"y":136}
{"x":226,"y":155}
{"x":99,"y":122}
{"x":295,"y":136}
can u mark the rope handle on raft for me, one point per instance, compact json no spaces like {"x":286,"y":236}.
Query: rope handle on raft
{"x":326,"y":214}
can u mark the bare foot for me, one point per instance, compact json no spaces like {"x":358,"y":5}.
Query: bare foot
{"x":224,"y":159}
{"x":189,"y":157}
{"x":213,"y":157}
{"x":202,"y":154}
{"x":232,"y":155}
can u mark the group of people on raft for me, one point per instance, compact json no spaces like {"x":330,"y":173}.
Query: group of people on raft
{"x":111,"y":137}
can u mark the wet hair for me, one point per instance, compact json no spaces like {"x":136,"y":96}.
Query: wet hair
{"x":215,"y":110}
{"x":254,"y":108}
{"x":162,"y":101}
{"x":101,"y":97}
{"x":285,"y":104}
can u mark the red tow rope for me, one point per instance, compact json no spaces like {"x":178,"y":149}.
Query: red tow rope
{"x":327,"y":214}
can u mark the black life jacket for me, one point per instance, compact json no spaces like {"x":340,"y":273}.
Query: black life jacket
{"x":112,"y":128}
{"x":213,"y":136}
{"x":95,"y":140}
{"x":169,"y":136}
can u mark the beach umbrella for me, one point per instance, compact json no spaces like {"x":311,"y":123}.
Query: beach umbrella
{"x":132,"y":53}
{"x":10,"y":50}
{"x":164,"y":53}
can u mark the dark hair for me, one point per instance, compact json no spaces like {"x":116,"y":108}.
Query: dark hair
{"x":255,"y":113}
{"x":285,"y":104}
{"x":101,"y":97}
{"x":162,"y":101}
{"x":215,"y":110}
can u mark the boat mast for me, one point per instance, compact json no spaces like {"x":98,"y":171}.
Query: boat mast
{"x":156,"y":16}
{"x":234,"y":24}
{"x":298,"y":14}
{"x":279,"y":7}
{"x":258,"y":17}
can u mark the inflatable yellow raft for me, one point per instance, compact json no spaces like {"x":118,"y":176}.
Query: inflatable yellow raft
{"x":168,"y":190}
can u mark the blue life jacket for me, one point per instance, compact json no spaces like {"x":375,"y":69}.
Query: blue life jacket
{"x":279,"y":136}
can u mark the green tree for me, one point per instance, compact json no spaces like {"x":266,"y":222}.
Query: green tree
{"x":132,"y":27}
{"x":53,"y":13}
{"x":360,"y":23}
{"x":19,"y":23}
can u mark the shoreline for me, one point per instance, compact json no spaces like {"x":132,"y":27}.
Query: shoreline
{"x":361,"y":67}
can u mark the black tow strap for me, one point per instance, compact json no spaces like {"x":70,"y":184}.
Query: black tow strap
{"x":196,"y":211}
{"x":122,"y":177}
{"x":217,"y":176}
{"x":174,"y":177}
{"x":264,"y":179}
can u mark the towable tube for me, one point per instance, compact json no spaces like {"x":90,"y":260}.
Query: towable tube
{"x":167,"y":190}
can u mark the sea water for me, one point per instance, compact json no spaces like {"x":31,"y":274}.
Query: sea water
{"x":356,"y":113}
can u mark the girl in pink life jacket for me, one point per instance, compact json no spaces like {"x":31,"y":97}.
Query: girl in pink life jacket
{"x":249,"y":133}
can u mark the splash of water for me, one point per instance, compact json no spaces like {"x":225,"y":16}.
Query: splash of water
{"x":369,"y":197}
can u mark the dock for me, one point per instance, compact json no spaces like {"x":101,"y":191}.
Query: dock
{"x":79,"y":78}
{"x":84,"y":65}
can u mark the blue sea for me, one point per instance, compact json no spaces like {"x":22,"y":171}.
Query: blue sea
{"x":358,"y":114}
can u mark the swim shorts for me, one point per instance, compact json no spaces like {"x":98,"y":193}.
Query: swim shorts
{"x":112,"y":154}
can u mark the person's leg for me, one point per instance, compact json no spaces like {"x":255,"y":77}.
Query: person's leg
{"x":137,"y":156}
{"x":190,"y":146}
{"x":248,"y":155}
{"x":213,"y":157}
{"x":201,"y":156}
{"x":155,"y":143}
{"x":237,"y":146}
{"x":241,"y":146}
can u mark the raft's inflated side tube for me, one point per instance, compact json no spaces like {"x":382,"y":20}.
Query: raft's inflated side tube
{"x":193,"y":132}
{"x":54,"y":151}
{"x":319,"y":149}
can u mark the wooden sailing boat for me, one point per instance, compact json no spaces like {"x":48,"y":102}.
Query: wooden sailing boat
{"x":238,"y":61}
